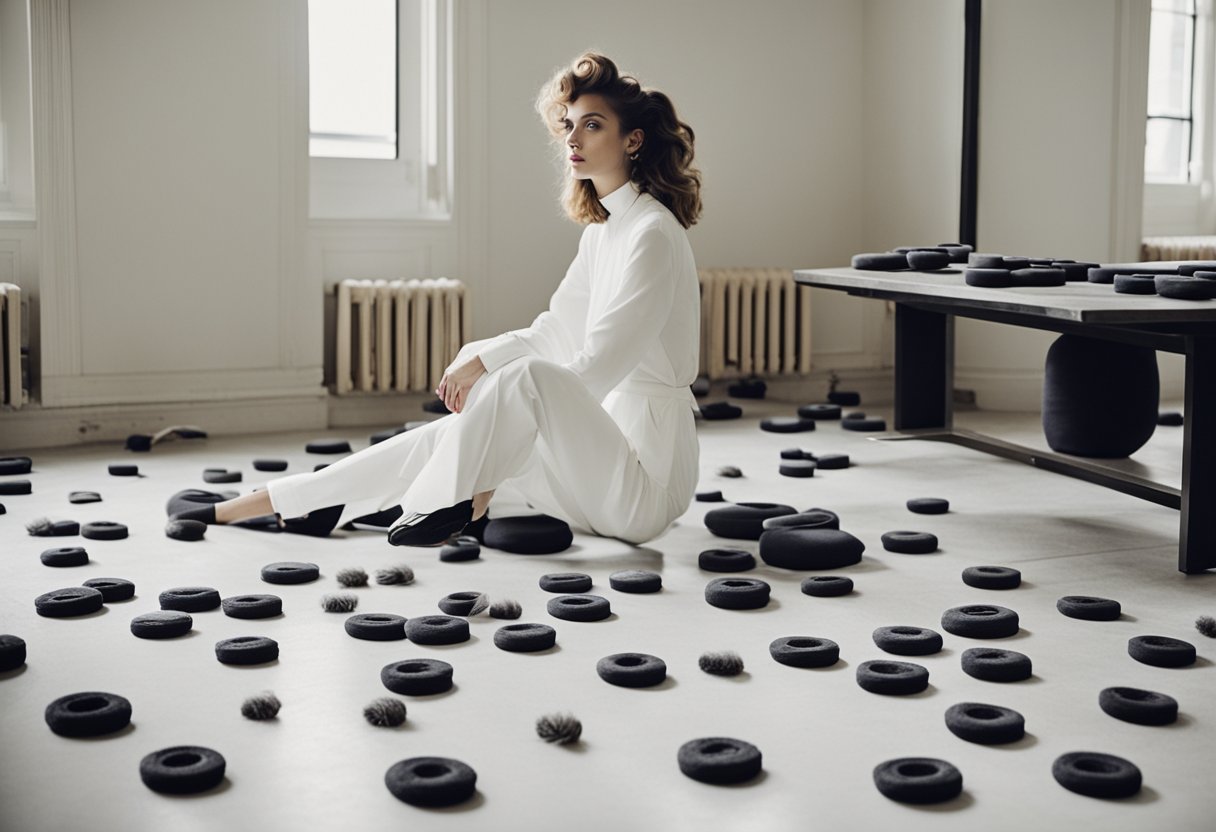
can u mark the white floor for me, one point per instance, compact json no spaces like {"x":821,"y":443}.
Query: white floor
{"x":320,"y":766}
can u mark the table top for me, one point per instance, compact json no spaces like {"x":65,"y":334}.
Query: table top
{"x":1074,"y":301}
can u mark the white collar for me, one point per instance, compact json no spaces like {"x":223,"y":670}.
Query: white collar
{"x":620,"y":200}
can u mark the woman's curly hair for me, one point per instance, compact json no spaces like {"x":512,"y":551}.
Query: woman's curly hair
{"x":663,"y":168}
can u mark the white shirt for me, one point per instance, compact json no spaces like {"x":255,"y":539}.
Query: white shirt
{"x":626,"y":320}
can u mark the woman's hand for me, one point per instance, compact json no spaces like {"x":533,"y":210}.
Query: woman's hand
{"x":454,"y":387}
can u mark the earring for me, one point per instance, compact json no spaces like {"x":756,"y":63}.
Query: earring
{"x":634,"y":157}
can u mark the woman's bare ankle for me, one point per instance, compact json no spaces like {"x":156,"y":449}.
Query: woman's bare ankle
{"x":256,"y":504}
{"x":481,"y":502}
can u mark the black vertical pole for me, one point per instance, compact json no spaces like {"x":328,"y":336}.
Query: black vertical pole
{"x":971,"y":124}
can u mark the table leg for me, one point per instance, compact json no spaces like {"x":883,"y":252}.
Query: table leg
{"x":1197,"y":534}
{"x":924,"y":368}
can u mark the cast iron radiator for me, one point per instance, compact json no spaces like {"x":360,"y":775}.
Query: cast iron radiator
{"x":1178,"y":248}
{"x":12,"y":391}
{"x":754,"y":322}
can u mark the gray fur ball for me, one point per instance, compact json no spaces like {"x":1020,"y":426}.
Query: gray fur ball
{"x":721,"y":664}
{"x":506,"y":609}
{"x":385,"y":712}
{"x":263,"y":706}
{"x":341,"y":602}
{"x":395,"y":575}
{"x":39,"y":527}
{"x":729,"y":471}
{"x":562,"y":729}
{"x":1206,"y":625}
{"x":352,"y":577}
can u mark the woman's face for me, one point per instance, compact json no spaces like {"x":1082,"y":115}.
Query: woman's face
{"x":598,"y":151}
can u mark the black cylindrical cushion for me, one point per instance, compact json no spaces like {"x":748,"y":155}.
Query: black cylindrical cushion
{"x":247,"y":650}
{"x":1089,"y":608}
{"x":920,"y":780}
{"x":812,"y":518}
{"x":715,"y":411}
{"x":290,"y":572}
{"x":908,"y":641}
{"x":270,"y":465}
{"x":719,"y":760}
{"x":801,"y":468}
{"x":864,"y":425}
{"x":989,"y":278}
{"x":804,"y":651}
{"x":70,"y":601}
{"x":737,"y":593}
{"x":161,"y":624}
{"x":980,"y":621}
{"x":579,"y":607}
{"x":1143,"y":707}
{"x":328,"y":446}
{"x":710,"y":497}
{"x":15,"y":465}
{"x":252,"y":606}
{"x":112,"y":589}
{"x":832,"y":462}
{"x":892,"y":678}
{"x":182,"y":769}
{"x":221,"y":475}
{"x":632,"y":670}
{"x":985,"y":724}
{"x":744,"y":521}
{"x":726,"y":560}
{"x":186,"y":529}
{"x":417,"y":677}
{"x":565,"y":582}
{"x":12,"y":652}
{"x":928,"y":505}
{"x":537,"y":534}
{"x":997,"y":261}
{"x":889,"y":261}
{"x":809,"y":548}
{"x":1135,"y":284}
{"x":1099,"y":397}
{"x":1038,"y":277}
{"x":1161,"y":651}
{"x":1074,"y":271}
{"x":463,"y":603}
{"x":827,"y":586}
{"x":909,"y":542}
{"x":786,"y":424}
{"x":924,"y":260}
{"x":959,"y":252}
{"x":103,"y":530}
{"x":437,"y":629}
{"x":14,"y":487}
{"x":1094,"y":774}
{"x":992,"y":577}
{"x":1185,"y":288}
{"x":190,"y":599}
{"x":638,"y":581}
{"x":376,"y":626}
{"x":122,"y":470}
{"x":1195,"y":266}
{"x":525,"y":638}
{"x":88,"y":714}
{"x":820,"y":412}
{"x":996,"y":665}
{"x":431,"y":781}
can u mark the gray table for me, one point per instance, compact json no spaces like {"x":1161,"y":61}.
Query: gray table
{"x":926,"y":305}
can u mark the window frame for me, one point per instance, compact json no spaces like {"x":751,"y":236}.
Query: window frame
{"x":415,"y":185}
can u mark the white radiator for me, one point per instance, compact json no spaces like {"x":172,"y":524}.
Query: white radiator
{"x":754,"y":322}
{"x":1178,"y":248}
{"x":397,"y":335}
{"x":12,"y":392}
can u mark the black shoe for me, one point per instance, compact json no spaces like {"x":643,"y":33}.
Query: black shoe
{"x":317,"y":523}
{"x":428,"y":529}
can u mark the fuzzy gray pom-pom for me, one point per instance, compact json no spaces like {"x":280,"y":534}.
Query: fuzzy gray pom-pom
{"x":562,"y":729}
{"x":395,"y":575}
{"x":385,"y":712}
{"x":352,"y":577}
{"x":721,"y":664}
{"x":506,"y":609}
{"x":729,"y":471}
{"x":1206,"y":625}
{"x":341,"y":602}
{"x":40,"y":526}
{"x":263,"y":706}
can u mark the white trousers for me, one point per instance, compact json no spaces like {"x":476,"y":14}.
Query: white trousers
{"x":534,"y":425}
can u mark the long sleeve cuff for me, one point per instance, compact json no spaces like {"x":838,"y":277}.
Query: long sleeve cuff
{"x":501,"y":351}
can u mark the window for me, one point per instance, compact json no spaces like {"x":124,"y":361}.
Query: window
{"x":379,"y":79}
{"x":16,"y":156}
{"x":1170,"y":136}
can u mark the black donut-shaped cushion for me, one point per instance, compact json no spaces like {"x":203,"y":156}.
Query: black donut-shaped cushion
{"x":1161,"y":651}
{"x":1143,"y":707}
{"x":460,"y":603}
{"x":182,"y":769}
{"x":919,"y":780}
{"x":88,"y":714}
{"x":10,"y":465}
{"x":525,"y":638}
{"x":980,"y":621}
{"x":328,"y":446}
{"x":431,"y":781}
{"x":959,"y":252}
{"x":632,"y":670}
{"x":804,"y":651}
{"x":864,"y":425}
{"x":927,"y":260}
{"x":1185,"y":288}
{"x":726,"y":560}
{"x":190,"y":599}
{"x":15,"y":487}
{"x":12,"y":652}
{"x":437,"y":629}
{"x":112,"y":589}
{"x":719,"y":760}
{"x":978,"y":260}
{"x":710,"y":497}
{"x":69,"y":601}
{"x":1074,"y":272}
{"x":989,"y":278}
{"x":460,"y":549}
{"x":812,"y":518}
{"x":290,"y":572}
{"x":186,"y":529}
{"x":270,"y":465}
{"x":832,"y":462}
{"x":246,"y":650}
{"x":737,"y":593}
{"x":908,"y":641}
{"x":889,"y":261}
{"x":820,"y":412}
{"x":786,"y":424}
{"x":992,"y":577}
{"x":928,"y":505}
{"x":65,"y":556}
{"x":827,"y":586}
{"x":79,"y":497}
{"x":579,"y":607}
{"x":221,"y":475}
{"x":801,"y":468}
{"x":637,"y":581}
{"x":417,"y":677}
{"x":376,"y":626}
{"x":744,"y":521}
{"x":892,"y":678}
{"x":565,"y":582}
{"x":252,"y":606}
{"x":909,"y":542}
{"x":1089,"y":608}
{"x":994,"y":665}
{"x":985,"y":724}
{"x":1135,"y":284}
{"x":1094,"y":774}
{"x":1039,"y":276}
{"x":161,"y":624}
{"x":809,"y":548}
{"x":537,"y":534}
{"x":121,"y":470}
{"x":716,"y":411}
{"x":796,"y":453}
